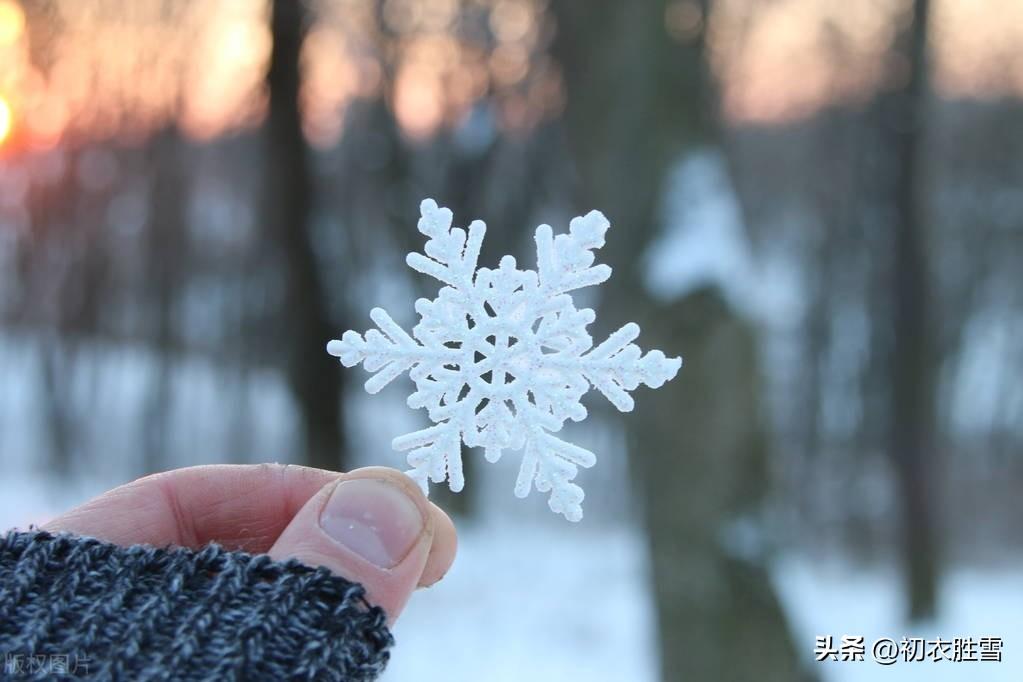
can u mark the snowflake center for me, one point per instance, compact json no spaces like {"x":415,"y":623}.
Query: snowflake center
{"x":500,"y":360}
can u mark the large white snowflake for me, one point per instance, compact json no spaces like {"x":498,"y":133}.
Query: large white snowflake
{"x":501,"y":357}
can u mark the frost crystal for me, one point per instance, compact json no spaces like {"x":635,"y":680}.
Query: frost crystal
{"x":501,"y":357}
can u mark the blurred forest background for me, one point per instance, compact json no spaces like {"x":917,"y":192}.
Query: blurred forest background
{"x":818,"y":204}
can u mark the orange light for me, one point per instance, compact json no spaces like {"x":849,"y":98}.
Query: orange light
{"x":5,"y":120}
{"x":12,"y":22}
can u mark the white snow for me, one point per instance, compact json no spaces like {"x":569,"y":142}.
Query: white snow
{"x":532,"y":602}
{"x":704,"y":243}
{"x":835,"y":596}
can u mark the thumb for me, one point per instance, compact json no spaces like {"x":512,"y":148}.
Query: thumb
{"x":373,"y":526}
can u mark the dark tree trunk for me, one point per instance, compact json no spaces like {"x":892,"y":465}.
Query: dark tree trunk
{"x":912,"y":382}
{"x":314,"y":377}
{"x":54,"y":301}
{"x":637,"y":100}
{"x":701,"y":452}
{"x":166,"y":235}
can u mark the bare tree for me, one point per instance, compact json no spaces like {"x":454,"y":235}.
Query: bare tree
{"x":166,"y":236}
{"x":638,"y":98}
{"x":912,"y":393}
{"x":314,"y":378}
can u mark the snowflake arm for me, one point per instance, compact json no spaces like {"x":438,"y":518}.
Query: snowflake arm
{"x":451,"y":255}
{"x":388,"y":352}
{"x":501,"y":358}
{"x":565,"y":263}
{"x":553,"y":463}
{"x":617,"y":366}
{"x":436,"y":454}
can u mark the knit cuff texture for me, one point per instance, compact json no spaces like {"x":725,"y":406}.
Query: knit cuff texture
{"x":80,"y":608}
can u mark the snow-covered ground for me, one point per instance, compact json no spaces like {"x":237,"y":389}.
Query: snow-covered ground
{"x":531,"y":602}
{"x":838,"y":597}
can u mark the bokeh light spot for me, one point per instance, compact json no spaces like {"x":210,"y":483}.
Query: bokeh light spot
{"x":683,"y":19}
{"x":5,"y":120}
{"x":12,"y":22}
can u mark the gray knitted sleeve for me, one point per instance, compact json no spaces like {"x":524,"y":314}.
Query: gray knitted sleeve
{"x":82,"y":608}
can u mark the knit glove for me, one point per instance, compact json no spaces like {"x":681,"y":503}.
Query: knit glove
{"x":77,"y":607}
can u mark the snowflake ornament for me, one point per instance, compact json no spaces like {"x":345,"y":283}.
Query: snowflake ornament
{"x":500,"y":358}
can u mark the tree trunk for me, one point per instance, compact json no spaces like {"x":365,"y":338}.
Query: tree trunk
{"x":701,"y":452}
{"x":912,"y":412}
{"x":637,"y":100}
{"x":166,"y":238}
{"x":314,"y":377}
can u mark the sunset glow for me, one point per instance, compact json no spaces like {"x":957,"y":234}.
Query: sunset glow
{"x":126,"y":69}
{"x":12,"y":22}
{"x":5,"y":120}
{"x":786,"y":59}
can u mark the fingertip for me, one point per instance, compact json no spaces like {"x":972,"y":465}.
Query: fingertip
{"x":443,"y":550}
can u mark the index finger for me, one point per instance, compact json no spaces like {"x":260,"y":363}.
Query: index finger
{"x":242,"y":507}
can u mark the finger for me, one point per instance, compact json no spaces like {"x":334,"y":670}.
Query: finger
{"x":240,"y":506}
{"x":374,"y":526}
{"x":443,"y":550}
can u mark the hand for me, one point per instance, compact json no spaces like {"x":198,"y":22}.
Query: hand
{"x":373,"y":526}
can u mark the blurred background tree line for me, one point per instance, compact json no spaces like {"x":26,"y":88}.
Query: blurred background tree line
{"x":817,"y":204}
